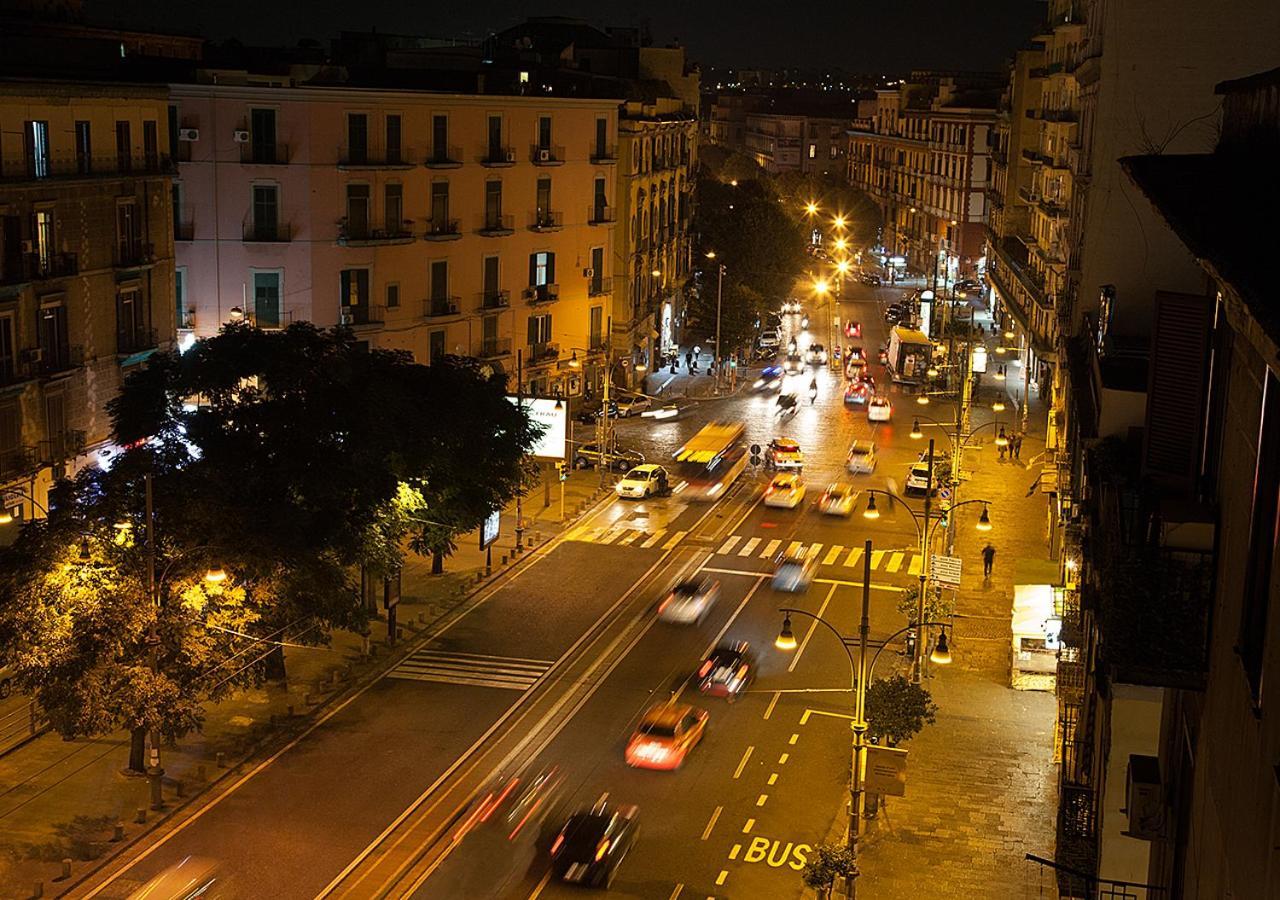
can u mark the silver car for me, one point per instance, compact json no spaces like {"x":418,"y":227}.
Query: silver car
{"x":689,"y":601}
{"x":794,"y":572}
{"x":861,"y":459}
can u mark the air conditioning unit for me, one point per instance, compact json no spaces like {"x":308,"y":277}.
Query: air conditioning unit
{"x":345,"y":318}
{"x":1144,"y":803}
{"x":241,"y":136}
{"x":588,"y":272}
{"x":511,"y":156}
{"x":33,"y":356}
{"x":544,"y":156}
{"x":188,"y":134}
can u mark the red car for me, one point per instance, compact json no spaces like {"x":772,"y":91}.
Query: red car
{"x":665,"y":735}
{"x":857,"y":393}
{"x":853,"y":329}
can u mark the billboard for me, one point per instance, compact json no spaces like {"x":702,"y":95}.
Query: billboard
{"x":553,"y":416}
{"x":489,"y":528}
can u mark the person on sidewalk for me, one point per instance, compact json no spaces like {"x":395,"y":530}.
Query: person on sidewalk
{"x":1017,"y":445}
{"x":988,"y":557}
{"x":688,"y":360}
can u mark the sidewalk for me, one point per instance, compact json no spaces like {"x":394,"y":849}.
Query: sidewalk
{"x":70,"y":799}
{"x":686,"y":382}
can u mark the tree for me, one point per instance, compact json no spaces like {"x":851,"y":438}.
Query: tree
{"x":833,"y":196}
{"x":829,"y":862}
{"x":897,"y":709}
{"x":939,"y":606}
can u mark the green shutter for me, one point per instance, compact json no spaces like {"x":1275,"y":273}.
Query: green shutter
{"x":533,"y":269}
{"x":551,"y":268}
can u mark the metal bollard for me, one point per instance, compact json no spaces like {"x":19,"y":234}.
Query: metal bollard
{"x":307,"y":700}
{"x":37,"y":890}
{"x":179,"y":788}
{"x":117,"y":833}
{"x":141,"y":816}
{"x":504,"y":559}
{"x":201,"y":773}
{"x":221,"y":760}
{"x":399,"y":633}
{"x":288,"y":711}
{"x":422,"y":617}
{"x":479,"y":577}
{"x":66,"y":868}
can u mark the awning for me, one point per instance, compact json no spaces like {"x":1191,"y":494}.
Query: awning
{"x":134,"y":358}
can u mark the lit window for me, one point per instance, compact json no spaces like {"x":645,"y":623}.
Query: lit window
{"x":524,"y":77}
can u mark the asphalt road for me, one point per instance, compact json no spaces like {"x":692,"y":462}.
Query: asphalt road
{"x":551,"y":670}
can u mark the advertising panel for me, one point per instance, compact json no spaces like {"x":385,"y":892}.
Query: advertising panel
{"x":553,"y":416}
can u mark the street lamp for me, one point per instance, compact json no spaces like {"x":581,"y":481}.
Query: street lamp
{"x":811,"y":208}
{"x":916,"y":433}
{"x":984,"y":520}
{"x":719,"y":363}
{"x":860,"y":673}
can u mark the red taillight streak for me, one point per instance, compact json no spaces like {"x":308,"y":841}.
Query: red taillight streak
{"x":503,"y":796}
{"x":532,"y":810}
{"x":706,"y":667}
{"x":559,"y":842}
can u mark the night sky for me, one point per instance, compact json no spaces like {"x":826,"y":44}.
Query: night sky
{"x":857,"y":35}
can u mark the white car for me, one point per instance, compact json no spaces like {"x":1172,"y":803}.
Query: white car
{"x":636,"y":403}
{"x":643,"y":481}
{"x":879,"y":409}
{"x":689,"y":601}
{"x":817,"y":355}
{"x":861,"y":459}
{"x":837,"y":499}
{"x":918,"y":476}
{"x":770,"y":338}
{"x":786,"y":491}
{"x":784,"y":453}
{"x":793,"y":572}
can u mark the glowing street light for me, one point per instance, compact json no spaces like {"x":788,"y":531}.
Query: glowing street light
{"x":984,"y":521}
{"x":916,"y":433}
{"x":1001,"y":439}
{"x":941,"y":654}
{"x":923,"y":399}
{"x":820,"y":286}
{"x":997,"y":406}
{"x":215,"y":575}
{"x":1000,"y":374}
{"x":871,"y":512}
{"x":786,"y":639}
{"x":811,"y":208}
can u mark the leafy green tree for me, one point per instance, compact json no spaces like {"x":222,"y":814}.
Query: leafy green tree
{"x":833,"y":195}
{"x":939,"y":606}
{"x":897,"y":709}
{"x":829,"y":862}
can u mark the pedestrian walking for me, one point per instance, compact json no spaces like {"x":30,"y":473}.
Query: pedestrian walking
{"x":688,"y":360}
{"x":988,"y":557}
{"x":1017,"y":446}
{"x":1002,"y":449}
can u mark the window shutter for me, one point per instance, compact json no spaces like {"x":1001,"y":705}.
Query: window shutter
{"x":1176,"y":390}
{"x":345,"y":299}
{"x":551,"y":268}
{"x":533,"y":269}
{"x":533,"y":330}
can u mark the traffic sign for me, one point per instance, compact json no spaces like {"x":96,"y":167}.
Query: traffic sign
{"x":945,"y":569}
{"x":944,"y":493}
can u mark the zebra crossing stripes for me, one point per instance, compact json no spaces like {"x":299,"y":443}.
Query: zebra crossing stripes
{"x":852,"y":559}
{"x":476,"y":669}
{"x":653,"y":539}
{"x":832,"y":555}
{"x":749,"y":547}
{"x":769,"y":549}
{"x":728,"y":545}
{"x":675,"y":539}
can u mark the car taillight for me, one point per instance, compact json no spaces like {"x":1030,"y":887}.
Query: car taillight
{"x":706,"y":667}
{"x":742,"y":673}
{"x":664,"y":604}
{"x":559,"y":842}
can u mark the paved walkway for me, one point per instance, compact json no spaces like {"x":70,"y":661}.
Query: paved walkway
{"x":64,"y":799}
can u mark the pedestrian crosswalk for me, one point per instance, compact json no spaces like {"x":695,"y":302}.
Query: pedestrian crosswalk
{"x":478,"y":669}
{"x":740,"y":546}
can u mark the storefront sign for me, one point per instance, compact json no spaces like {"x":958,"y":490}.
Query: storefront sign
{"x":979,"y":359}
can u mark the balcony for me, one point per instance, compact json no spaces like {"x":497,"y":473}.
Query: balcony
{"x":442,"y":230}
{"x":601,"y":215}
{"x":546,"y":156}
{"x":369,"y":237}
{"x":267,"y":233}
{"x":41,"y":266}
{"x":1059,"y":115}
{"x":16,"y":461}
{"x":362,"y":315}
{"x":498,"y":157}
{"x":599,"y":286}
{"x":493,"y":300}
{"x":498,"y":226}
{"x":547,"y":221}
{"x":184,"y":230}
{"x":50,"y":362}
{"x":135,"y":340}
{"x":253,"y":154}
{"x":444,"y":158}
{"x":60,"y":447}
{"x":1053,"y":208}
{"x":135,"y":255}
{"x":364,"y":158}
{"x":604,"y":155}
{"x":494,"y":348}
{"x":72,"y":167}
{"x":441,"y":307}
{"x":543,"y":352}
{"x":542,"y":293}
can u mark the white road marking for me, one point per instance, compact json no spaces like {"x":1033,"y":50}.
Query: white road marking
{"x":657,"y":536}
{"x":813,"y":551}
{"x":706,"y":832}
{"x":772,"y":703}
{"x":852,"y":559}
{"x":611,"y":535}
{"x":895,"y":563}
{"x":473,"y":669}
{"x":629,"y":537}
{"x":715,"y":641}
{"x":793,"y":547}
{"x":676,"y":892}
{"x":729,"y":544}
{"x":914,"y":568}
{"x":832,"y":555}
{"x":675,"y":539}
{"x":742,"y":764}
{"x":813,"y":624}
{"x":876,"y":556}
{"x":769,"y":549}
{"x":748,"y":547}
{"x":541,"y":887}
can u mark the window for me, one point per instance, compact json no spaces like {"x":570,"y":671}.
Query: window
{"x":601,"y":201}
{"x":173,"y":132}
{"x":266,"y":211}
{"x":8,"y":363}
{"x":393,"y":296}
{"x":542,"y":269}
{"x":543,"y":212}
{"x":496,"y":151}
{"x":128,"y":233}
{"x":393,"y":209}
{"x":539,"y":329}
{"x":813,"y":151}
{"x":355,"y":294}
{"x":597,"y":270}
{"x":440,"y":207}
{"x":44,"y":232}
{"x":489,"y":333}
{"x":440,"y":138}
{"x":10,"y":438}
{"x":1260,"y":562}
{"x":595,"y":327}
{"x":493,"y":204}
{"x":266,"y":299}
{"x":357,"y":138}
{"x":84,"y":148}
{"x":55,"y":424}
{"x":357,"y":211}
{"x":435,"y":346}
{"x":124,"y":148}
{"x":151,"y":145}
{"x":490,"y":281}
{"x":36,"y":137}
{"x":602,"y":139}
{"x":439,"y":280}
{"x":544,"y":132}
{"x":262,"y":133}
{"x":835,"y":150}
{"x":393,"y":139}
{"x":180,"y":297}
{"x":132,"y":333}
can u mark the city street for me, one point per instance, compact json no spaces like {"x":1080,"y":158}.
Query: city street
{"x":551,"y":670}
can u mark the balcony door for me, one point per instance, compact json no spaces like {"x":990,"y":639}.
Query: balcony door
{"x":266,"y":211}
{"x":262,"y":132}
{"x":266,"y":299}
{"x":357,"y":138}
{"x":357,"y":211}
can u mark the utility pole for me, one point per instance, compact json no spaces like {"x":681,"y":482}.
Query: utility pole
{"x":155,"y":774}
{"x":520,"y":406}
{"x":917,"y":674}
{"x":857,"y":796}
{"x":603,"y":427}
{"x":719,"y":363}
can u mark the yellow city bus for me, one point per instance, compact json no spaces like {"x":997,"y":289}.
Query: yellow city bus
{"x":709,"y":463}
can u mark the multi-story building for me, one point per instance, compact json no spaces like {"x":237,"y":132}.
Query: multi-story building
{"x":1211,"y":814}
{"x":86,"y":269}
{"x":443,"y":224}
{"x":658,"y":152}
{"x":780,"y":142}
{"x":924,"y":158}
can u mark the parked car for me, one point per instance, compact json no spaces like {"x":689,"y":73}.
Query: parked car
{"x":870,"y":278}
{"x":631,"y":404}
{"x":648,"y":480}
{"x":784,"y":453}
{"x":770,"y":339}
{"x":918,"y":474}
{"x":588,"y":454}
{"x":590,"y":414}
{"x":861,"y":459}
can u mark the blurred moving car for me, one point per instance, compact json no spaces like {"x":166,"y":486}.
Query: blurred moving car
{"x":727,"y":670}
{"x":771,"y":377}
{"x":632,"y":404}
{"x":510,"y":804}
{"x":857,"y":393}
{"x":588,"y":454}
{"x":669,"y":411}
{"x":793,"y":572}
{"x":817,"y":355}
{"x":784,"y":453}
{"x":770,"y":338}
{"x":785,"y":491}
{"x":856,"y":353}
{"x":590,"y":414}
{"x":870,"y":278}
{"x":665,"y":735}
{"x":855,"y":369}
{"x":853,"y":329}
{"x":192,"y":877}
{"x":689,"y":601}
{"x":648,"y":480}
{"x":879,"y":410}
{"x":861,"y":459}
{"x":837,"y":499}
{"x":593,"y":843}
{"x":794,"y":362}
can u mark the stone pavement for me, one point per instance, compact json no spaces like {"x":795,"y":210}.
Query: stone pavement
{"x":66,"y":799}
